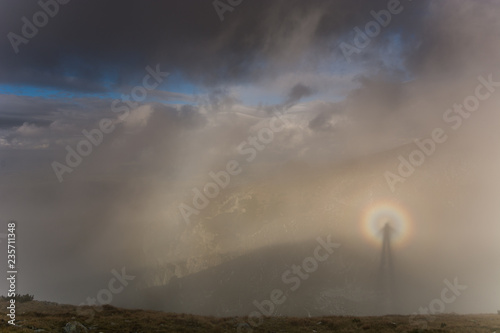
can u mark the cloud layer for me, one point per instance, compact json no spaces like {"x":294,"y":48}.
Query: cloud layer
{"x":120,"y":205}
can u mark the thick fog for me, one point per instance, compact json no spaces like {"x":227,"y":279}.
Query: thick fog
{"x":251,"y":129}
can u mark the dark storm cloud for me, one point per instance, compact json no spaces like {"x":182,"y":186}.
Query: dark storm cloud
{"x":9,"y":121}
{"x":460,"y":40}
{"x":298,"y":92}
{"x":326,"y":113}
{"x":89,"y":42}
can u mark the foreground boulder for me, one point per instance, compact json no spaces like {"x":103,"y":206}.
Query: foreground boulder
{"x":75,"y":327}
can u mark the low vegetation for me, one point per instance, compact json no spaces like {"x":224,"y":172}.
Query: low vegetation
{"x":19,"y":298}
{"x":36,"y":316}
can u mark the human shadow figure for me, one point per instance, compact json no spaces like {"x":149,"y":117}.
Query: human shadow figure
{"x":386,"y":276}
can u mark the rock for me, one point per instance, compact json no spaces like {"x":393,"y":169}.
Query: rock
{"x":244,"y":326}
{"x":75,"y":327}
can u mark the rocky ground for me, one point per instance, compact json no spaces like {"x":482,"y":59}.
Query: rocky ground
{"x":38,"y":316}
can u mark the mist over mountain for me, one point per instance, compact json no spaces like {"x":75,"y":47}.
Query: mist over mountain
{"x":203,"y":147}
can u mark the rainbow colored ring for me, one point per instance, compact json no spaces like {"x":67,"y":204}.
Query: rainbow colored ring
{"x":377,"y":214}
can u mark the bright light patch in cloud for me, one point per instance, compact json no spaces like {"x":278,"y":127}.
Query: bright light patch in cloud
{"x":377,"y":214}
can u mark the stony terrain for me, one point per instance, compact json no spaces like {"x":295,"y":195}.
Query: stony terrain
{"x":38,"y":316}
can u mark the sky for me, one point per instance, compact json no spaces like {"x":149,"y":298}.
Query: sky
{"x":115,"y":115}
